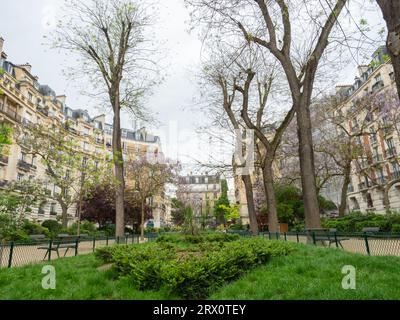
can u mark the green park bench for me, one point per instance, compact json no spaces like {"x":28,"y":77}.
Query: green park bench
{"x":63,"y":241}
{"x":327,"y":235}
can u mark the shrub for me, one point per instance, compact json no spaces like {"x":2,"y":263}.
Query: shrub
{"x":86,"y":227}
{"x":142,"y":264}
{"x":205,"y":237}
{"x":52,"y":225}
{"x":34,"y":228}
{"x":396,"y":227}
{"x":190,"y":274}
{"x":197,"y":277}
{"x":356,"y":221}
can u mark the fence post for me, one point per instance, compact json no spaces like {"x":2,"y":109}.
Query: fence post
{"x":269,"y":235}
{"x":297,"y":236}
{"x":11,"y":254}
{"x":313,"y":236}
{"x":76,"y":246}
{"x":106,"y":240}
{"x":336,"y":241}
{"x":277,"y":235}
{"x":94,"y":243}
{"x":366,"y":243}
{"x":284,"y":234}
{"x":50,"y":248}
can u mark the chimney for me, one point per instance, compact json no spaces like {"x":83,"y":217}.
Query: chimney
{"x":61,"y":98}
{"x":1,"y":45}
{"x":27,"y":67}
{"x":361,"y":69}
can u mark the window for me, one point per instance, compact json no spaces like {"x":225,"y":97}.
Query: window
{"x":378,"y":78}
{"x":22,"y":157}
{"x":20,"y":176}
{"x":370,"y":203}
{"x":53,"y":209}
{"x":42,"y":207}
{"x":30,"y":96}
{"x":381,"y":176}
{"x":85,"y":146}
{"x":86,"y":131}
{"x":396,"y":169}
{"x":373,"y":136}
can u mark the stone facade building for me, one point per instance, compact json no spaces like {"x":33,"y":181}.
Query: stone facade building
{"x":378,"y":168}
{"x":23,"y":100}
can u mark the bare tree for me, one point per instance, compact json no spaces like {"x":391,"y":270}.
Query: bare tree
{"x":108,"y":39}
{"x":391,"y":14}
{"x":149,"y":177}
{"x":269,"y":25}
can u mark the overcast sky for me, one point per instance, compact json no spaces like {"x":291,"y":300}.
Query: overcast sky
{"x":23,"y":24}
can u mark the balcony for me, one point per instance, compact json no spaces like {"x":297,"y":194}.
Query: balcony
{"x":3,"y":183}
{"x":377,"y":86}
{"x":3,"y":160}
{"x":382,"y":179}
{"x":25,"y":165}
{"x":43,"y":110}
{"x":391,"y":152}
{"x":10,"y":113}
{"x":72,"y":130}
{"x":377,"y":158}
{"x":364,"y":185}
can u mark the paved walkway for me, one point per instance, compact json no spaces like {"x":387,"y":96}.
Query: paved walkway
{"x":24,"y":254}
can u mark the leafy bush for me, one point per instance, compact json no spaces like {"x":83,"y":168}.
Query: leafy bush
{"x":142,"y":264}
{"x":396,"y":227}
{"x":34,"y":228}
{"x":198,"y":276}
{"x":205,"y":237}
{"x":87,"y":227}
{"x":52,"y":225}
{"x":190,"y":274}
{"x":356,"y":221}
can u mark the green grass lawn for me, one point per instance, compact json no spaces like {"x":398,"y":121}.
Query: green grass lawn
{"x":307,"y":273}
{"x":315,"y":273}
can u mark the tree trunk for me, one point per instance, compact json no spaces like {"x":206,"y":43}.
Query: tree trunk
{"x":391,"y":14}
{"x":345,"y":187}
{"x":386,"y":200}
{"x":64,"y":215}
{"x":142,"y":221}
{"x":268,"y":179}
{"x":118,"y":171}
{"x":307,"y":168}
{"x":250,"y":203}
{"x":78,"y":230}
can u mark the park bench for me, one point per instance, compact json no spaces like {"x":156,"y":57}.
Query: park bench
{"x":370,"y":229}
{"x":63,"y":241}
{"x":329,"y":235}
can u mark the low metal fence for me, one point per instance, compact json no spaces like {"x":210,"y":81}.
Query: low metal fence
{"x":374,"y":244}
{"x":15,"y":254}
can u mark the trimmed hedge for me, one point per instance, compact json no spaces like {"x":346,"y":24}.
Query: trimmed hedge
{"x":356,"y":221}
{"x":206,"y":237}
{"x":190,"y":274}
